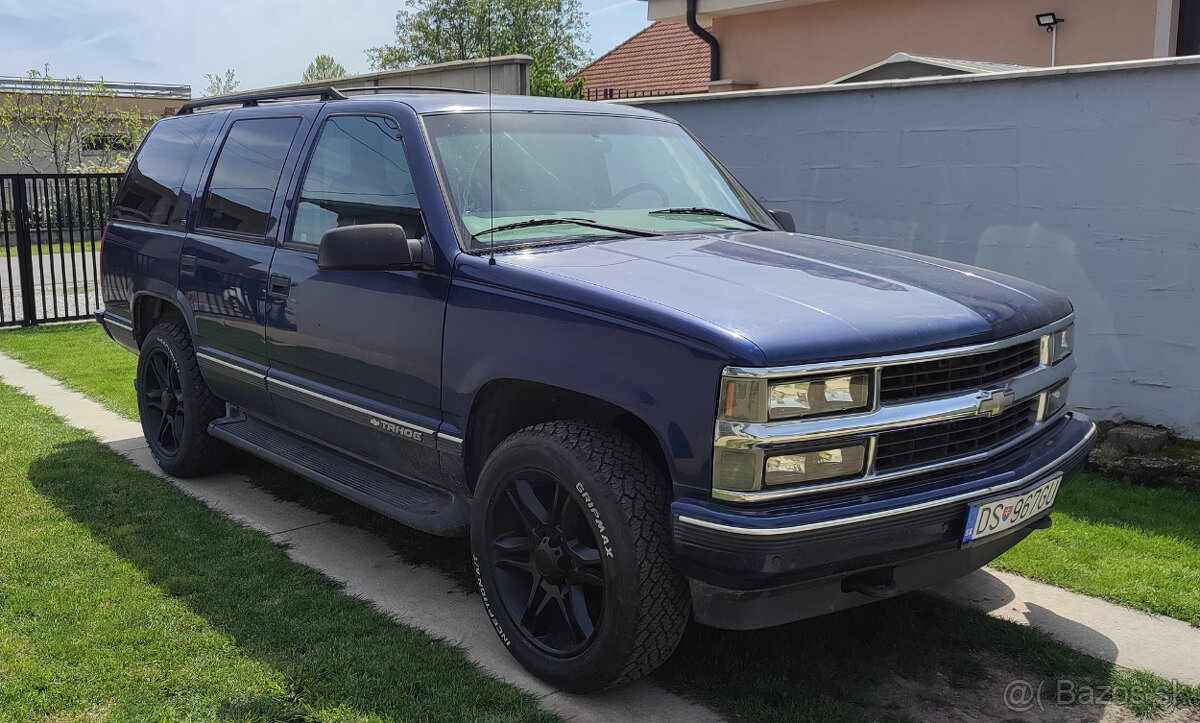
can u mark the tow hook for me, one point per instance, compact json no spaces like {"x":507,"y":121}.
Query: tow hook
{"x":872,"y":583}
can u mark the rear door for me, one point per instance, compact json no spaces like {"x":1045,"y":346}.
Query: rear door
{"x":355,"y":356}
{"x":225,"y":262}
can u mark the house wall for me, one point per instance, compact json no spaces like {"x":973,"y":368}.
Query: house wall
{"x":507,"y":74}
{"x":815,"y":43}
{"x":1084,"y":180}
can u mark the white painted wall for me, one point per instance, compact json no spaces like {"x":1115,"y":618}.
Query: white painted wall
{"x":1085,"y":180}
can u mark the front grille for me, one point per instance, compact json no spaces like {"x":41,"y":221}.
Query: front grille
{"x":906,"y":382}
{"x":939,"y":442}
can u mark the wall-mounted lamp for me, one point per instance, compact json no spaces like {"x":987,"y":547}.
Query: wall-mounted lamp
{"x":1050,"y":22}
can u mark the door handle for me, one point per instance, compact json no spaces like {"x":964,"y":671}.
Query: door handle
{"x":279,"y":285}
{"x":187,"y":265}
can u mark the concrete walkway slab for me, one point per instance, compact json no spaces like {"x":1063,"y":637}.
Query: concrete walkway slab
{"x":1129,"y":638}
{"x":418,"y":596}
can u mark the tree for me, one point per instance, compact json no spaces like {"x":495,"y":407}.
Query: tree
{"x":56,"y":125}
{"x":218,"y":85}
{"x":323,"y":67}
{"x":553,"y":32}
{"x":544,"y":82}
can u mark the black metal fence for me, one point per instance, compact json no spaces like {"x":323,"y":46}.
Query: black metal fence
{"x":50,"y":229}
{"x":618,"y":93}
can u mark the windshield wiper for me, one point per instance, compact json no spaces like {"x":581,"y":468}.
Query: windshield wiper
{"x":696,"y":211}
{"x":553,"y":221}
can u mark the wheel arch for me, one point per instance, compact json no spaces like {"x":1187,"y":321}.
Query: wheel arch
{"x":150,"y":308}
{"x":504,"y":406}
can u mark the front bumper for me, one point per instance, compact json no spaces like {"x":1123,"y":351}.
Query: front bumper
{"x":757,"y":566}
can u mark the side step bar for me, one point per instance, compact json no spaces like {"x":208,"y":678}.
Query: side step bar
{"x":407,"y":501}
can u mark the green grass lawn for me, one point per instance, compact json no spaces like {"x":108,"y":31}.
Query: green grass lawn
{"x":82,"y":357}
{"x":122,"y":599}
{"x":40,"y":249}
{"x":835,"y":668}
{"x":1136,"y":546}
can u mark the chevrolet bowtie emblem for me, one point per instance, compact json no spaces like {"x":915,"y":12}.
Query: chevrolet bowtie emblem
{"x":993,"y":402}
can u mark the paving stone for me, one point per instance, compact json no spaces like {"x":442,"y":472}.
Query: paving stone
{"x":1136,"y":438}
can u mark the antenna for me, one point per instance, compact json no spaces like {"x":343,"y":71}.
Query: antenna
{"x":491,"y":144}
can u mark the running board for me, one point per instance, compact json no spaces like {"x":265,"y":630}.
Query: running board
{"x":407,"y":501}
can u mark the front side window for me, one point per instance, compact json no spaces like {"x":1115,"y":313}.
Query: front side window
{"x":514,"y":177}
{"x":358,"y":174}
{"x":156,"y":176}
{"x":242,"y":189}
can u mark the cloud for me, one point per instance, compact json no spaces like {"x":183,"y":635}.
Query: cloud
{"x":266,"y":42}
{"x":614,"y":7}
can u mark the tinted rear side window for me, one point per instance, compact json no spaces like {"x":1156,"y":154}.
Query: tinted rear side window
{"x":242,"y":188}
{"x":156,"y":176}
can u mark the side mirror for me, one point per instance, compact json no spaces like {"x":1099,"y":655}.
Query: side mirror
{"x":371,"y":246}
{"x":784,"y":219}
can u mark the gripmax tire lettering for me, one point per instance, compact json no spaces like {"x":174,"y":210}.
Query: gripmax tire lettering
{"x":191,"y":451}
{"x":614,"y":488}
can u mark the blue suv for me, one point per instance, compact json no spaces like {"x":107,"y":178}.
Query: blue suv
{"x":564,"y":329}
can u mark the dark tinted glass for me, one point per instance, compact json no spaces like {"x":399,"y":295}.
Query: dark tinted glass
{"x":1189,"y":28}
{"x":243,"y":182}
{"x":358,"y":174}
{"x":156,"y":175}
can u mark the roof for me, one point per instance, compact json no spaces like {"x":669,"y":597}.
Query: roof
{"x":451,"y":102}
{"x":474,"y":102}
{"x":908,"y":65}
{"x":663,"y":59}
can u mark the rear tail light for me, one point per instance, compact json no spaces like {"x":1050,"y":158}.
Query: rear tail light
{"x":100,"y":257}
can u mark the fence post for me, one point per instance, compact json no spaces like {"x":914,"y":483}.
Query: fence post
{"x":24,"y":250}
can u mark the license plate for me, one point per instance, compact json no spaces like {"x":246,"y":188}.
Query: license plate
{"x":999,"y":516}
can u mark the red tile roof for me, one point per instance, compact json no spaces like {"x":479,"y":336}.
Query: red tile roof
{"x":663,"y":59}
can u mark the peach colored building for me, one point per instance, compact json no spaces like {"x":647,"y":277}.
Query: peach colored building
{"x":779,"y":43}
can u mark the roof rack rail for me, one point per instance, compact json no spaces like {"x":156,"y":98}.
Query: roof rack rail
{"x":418,"y":88}
{"x":249,"y":100}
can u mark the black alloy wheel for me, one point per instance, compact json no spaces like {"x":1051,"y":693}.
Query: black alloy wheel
{"x":549,"y":568}
{"x":162,"y":402}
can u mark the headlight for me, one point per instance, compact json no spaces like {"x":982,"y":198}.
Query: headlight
{"x":821,"y":395}
{"x":1056,"y":399}
{"x":755,"y":400}
{"x":817,"y":466}
{"x":1062,"y":343}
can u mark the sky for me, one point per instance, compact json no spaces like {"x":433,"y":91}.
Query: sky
{"x":266,"y":42}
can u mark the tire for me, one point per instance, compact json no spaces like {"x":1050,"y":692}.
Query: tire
{"x":175,"y":404}
{"x":572,"y":551}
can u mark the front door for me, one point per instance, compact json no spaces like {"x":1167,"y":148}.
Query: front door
{"x":355,"y":356}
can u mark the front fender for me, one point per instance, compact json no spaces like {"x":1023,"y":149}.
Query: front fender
{"x":669,"y":382}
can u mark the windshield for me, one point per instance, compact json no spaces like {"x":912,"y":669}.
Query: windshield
{"x":563,"y":177}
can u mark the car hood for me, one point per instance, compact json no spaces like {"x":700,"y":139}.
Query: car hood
{"x":802,"y":298}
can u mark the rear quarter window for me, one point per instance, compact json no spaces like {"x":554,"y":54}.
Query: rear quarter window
{"x":242,"y":188}
{"x":155,"y":177}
